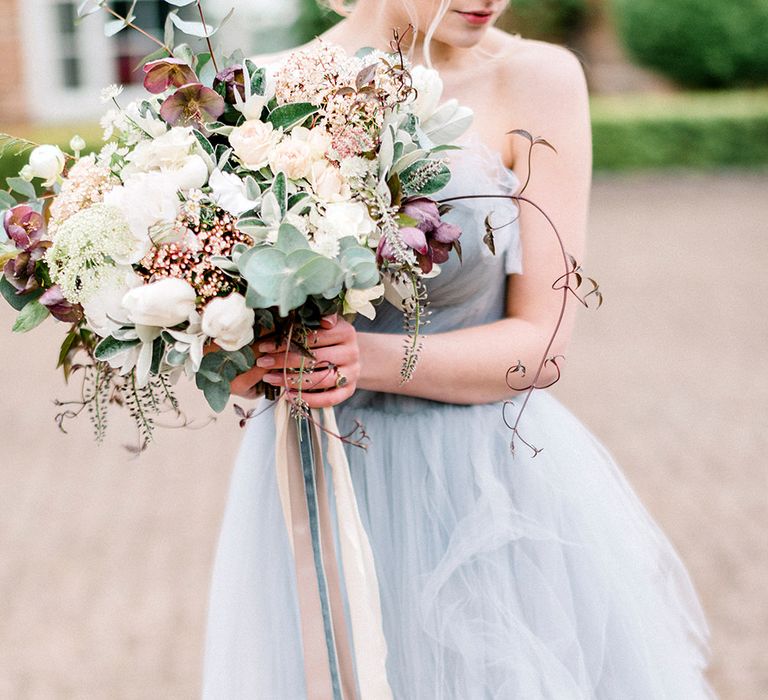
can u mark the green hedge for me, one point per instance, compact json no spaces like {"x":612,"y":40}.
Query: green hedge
{"x":552,"y":20}
{"x":690,"y":130}
{"x":699,"y":43}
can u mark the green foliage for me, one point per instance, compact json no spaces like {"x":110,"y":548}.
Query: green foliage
{"x":704,"y":130}
{"x":217,"y":370}
{"x":17,"y":301}
{"x":31,"y":316}
{"x":699,"y":43}
{"x":554,"y":20}
{"x":288,"y":116}
{"x":285,"y":274}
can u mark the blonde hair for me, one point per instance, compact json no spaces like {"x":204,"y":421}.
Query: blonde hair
{"x":344,"y":7}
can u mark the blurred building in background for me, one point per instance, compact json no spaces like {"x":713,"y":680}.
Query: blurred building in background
{"x":55,"y":67}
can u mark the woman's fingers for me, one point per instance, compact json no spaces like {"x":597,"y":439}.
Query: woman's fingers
{"x":243,"y":384}
{"x":329,"y":321}
{"x":321,"y":379}
{"x":332,"y":355}
{"x":324,"y":399}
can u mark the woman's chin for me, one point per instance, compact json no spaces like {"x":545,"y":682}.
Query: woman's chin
{"x":460,"y":38}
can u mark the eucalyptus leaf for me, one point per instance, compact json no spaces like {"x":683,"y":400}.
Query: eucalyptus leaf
{"x":217,"y":370}
{"x":114,"y":26}
{"x":289,"y":239}
{"x":23,"y":187}
{"x":31,"y":316}
{"x":7,"y":200}
{"x":88,"y":7}
{"x":198,"y":29}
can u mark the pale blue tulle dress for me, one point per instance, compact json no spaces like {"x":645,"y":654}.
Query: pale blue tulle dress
{"x":500,"y":577}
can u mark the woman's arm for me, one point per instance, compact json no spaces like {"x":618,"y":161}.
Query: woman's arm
{"x":470,"y":365}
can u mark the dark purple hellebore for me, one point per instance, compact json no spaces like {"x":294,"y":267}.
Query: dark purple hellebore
{"x":431,"y":238}
{"x":25,"y":227}
{"x":60,"y":308}
{"x":191,"y":105}
{"x":163,"y":73}
{"x":229,"y":81}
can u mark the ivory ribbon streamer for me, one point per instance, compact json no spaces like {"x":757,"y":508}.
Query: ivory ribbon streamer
{"x":359,"y":575}
{"x":317,"y":661}
{"x":369,"y":644}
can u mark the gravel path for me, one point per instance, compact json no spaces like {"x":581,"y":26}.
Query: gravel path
{"x":104,"y":560}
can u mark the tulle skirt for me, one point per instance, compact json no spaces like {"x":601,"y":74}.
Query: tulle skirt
{"x":505,"y":577}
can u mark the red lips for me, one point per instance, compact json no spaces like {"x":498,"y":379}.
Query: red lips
{"x":476,"y":18}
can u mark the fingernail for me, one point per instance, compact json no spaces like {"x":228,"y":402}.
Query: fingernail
{"x":267,"y":347}
{"x":271,"y":378}
{"x":265,"y":361}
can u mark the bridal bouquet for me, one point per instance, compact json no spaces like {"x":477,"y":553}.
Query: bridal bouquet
{"x":229,"y":202}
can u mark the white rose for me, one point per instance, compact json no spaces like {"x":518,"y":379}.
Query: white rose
{"x":318,"y":140}
{"x":46,"y":162}
{"x":145,"y":199}
{"x":162,"y":304}
{"x":229,"y":192}
{"x":359,"y":300}
{"x":229,"y":322}
{"x":253,"y":141}
{"x":429,"y":87}
{"x":327,"y":182}
{"x":104,"y":311}
{"x":193,"y":174}
{"x":167,"y":151}
{"x":293,"y":157}
{"x":347,"y":219}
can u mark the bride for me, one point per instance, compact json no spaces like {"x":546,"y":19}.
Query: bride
{"x":500,"y":576}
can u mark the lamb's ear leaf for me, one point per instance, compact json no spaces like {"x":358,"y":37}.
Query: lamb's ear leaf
{"x":292,"y":114}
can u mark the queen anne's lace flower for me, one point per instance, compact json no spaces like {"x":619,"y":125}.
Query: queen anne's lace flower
{"x":82,"y":257}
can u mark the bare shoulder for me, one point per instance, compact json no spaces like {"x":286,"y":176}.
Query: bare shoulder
{"x":539,"y":70}
{"x":542,"y":89}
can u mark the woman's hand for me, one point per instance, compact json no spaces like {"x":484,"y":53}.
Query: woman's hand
{"x":333,"y":376}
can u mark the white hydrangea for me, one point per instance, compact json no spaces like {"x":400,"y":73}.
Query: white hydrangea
{"x":82,"y":258}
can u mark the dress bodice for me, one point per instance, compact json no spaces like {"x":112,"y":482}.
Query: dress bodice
{"x":471,"y":291}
